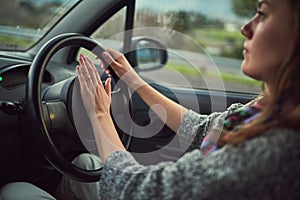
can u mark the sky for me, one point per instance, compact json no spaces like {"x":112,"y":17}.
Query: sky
{"x":211,"y":8}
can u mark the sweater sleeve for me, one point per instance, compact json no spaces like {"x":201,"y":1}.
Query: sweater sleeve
{"x":229,"y":173}
{"x":194,"y":126}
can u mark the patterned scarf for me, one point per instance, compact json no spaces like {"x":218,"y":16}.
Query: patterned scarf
{"x":231,"y":122}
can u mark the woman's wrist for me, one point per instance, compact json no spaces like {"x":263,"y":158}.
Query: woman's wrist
{"x":132,"y":79}
{"x":137,"y":83}
{"x":103,"y":115}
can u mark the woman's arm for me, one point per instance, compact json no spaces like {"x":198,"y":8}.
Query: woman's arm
{"x":255,"y":169}
{"x":168,"y":111}
{"x":97,"y":99}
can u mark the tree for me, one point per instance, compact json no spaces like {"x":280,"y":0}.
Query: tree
{"x":244,"y":8}
{"x":185,"y":21}
{"x":26,"y":13}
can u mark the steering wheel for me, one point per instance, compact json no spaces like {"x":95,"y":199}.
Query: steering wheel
{"x":51,"y":108}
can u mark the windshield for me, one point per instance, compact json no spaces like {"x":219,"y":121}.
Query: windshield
{"x":24,"y":22}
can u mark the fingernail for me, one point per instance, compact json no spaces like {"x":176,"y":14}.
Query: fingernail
{"x":81,"y":57}
{"x":105,"y":54}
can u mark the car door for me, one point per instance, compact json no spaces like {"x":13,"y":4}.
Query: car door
{"x":203,"y":72}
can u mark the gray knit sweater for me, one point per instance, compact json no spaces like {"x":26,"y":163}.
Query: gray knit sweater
{"x":266,"y":167}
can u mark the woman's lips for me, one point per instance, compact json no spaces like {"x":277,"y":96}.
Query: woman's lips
{"x":245,"y":51}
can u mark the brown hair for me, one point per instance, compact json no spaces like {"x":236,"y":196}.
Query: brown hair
{"x":282,"y":107}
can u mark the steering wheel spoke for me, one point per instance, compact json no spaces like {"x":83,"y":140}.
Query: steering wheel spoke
{"x":55,"y":115}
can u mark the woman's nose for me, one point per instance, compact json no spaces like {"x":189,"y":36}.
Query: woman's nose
{"x":246,"y":30}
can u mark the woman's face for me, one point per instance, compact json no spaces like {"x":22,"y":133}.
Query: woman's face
{"x":269,"y":39}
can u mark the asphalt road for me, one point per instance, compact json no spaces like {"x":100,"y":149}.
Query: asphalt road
{"x":203,"y":63}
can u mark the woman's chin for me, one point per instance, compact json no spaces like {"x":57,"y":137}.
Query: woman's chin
{"x":245,"y":68}
{"x":248,"y":71}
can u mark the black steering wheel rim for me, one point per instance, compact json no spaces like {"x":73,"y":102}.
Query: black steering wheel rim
{"x":34,"y":108}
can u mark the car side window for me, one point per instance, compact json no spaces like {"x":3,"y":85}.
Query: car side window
{"x":111,"y":33}
{"x":203,"y":40}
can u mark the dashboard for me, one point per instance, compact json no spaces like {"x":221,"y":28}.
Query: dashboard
{"x":16,"y":75}
{"x":13,"y":80}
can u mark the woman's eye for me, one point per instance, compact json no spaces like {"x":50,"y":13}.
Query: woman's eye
{"x":260,"y":14}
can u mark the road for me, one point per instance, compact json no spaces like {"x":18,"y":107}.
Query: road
{"x":28,"y":34}
{"x":203,"y":63}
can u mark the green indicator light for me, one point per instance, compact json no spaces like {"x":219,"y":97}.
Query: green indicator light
{"x":1,"y":78}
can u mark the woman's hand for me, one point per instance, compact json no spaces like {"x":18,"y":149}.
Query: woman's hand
{"x":168,"y":111}
{"x":95,"y":97}
{"x":122,"y":68}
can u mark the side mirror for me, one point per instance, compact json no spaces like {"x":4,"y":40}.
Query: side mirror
{"x":147,"y":54}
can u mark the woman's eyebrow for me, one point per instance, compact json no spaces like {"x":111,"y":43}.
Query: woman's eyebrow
{"x":260,"y":3}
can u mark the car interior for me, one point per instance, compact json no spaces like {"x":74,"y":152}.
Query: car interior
{"x":40,"y":106}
